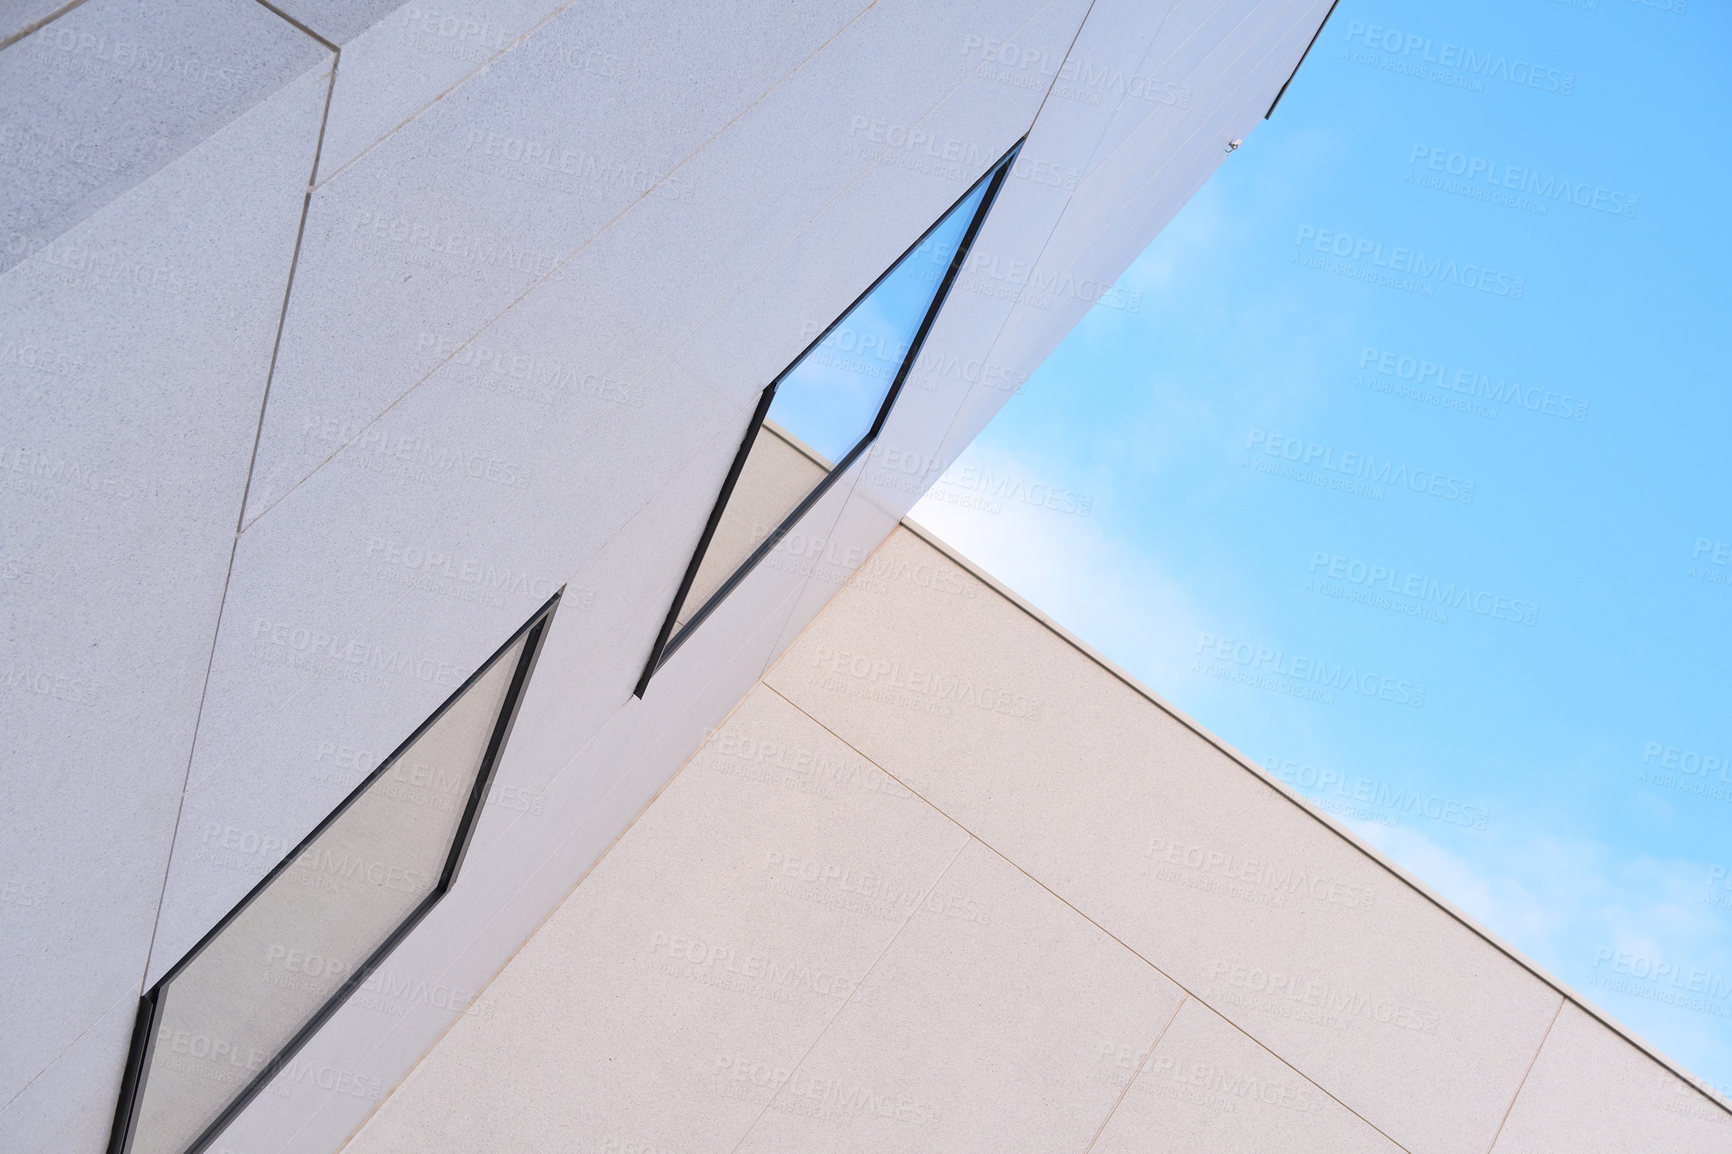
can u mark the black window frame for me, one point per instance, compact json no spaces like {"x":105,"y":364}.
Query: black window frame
{"x":1308,"y":47}
{"x":672,"y":634}
{"x":533,"y":632}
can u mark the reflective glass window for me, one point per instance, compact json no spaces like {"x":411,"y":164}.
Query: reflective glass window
{"x":833,"y":393}
{"x":822,"y":412}
{"x":230,"y":1013}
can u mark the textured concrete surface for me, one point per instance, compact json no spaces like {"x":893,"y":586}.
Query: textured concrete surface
{"x":473,"y":309}
{"x":760,"y":963}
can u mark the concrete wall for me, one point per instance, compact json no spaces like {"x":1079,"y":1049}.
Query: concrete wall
{"x":778,"y":474}
{"x":334,"y":340}
{"x":155,"y":159}
{"x":945,"y":881}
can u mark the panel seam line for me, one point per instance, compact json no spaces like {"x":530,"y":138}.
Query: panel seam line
{"x":547,"y":917}
{"x":719,"y":305}
{"x":1186,"y":990}
{"x":32,"y":28}
{"x":974,"y":570}
{"x":569,"y":257}
{"x":64,"y":1050}
{"x":1137,"y":1072}
{"x":865,"y":976}
{"x":234,"y":545}
{"x":1527,"y":1073}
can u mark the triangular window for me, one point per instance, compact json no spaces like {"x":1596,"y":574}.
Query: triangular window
{"x":822,"y":412}
{"x":234,"y":1012}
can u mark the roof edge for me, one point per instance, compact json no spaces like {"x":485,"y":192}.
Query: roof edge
{"x":1558,"y":985}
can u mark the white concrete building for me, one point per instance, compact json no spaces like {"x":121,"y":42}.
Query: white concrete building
{"x":336,"y":339}
{"x":948,"y":880}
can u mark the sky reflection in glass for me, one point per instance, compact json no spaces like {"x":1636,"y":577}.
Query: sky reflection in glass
{"x":830,"y":399}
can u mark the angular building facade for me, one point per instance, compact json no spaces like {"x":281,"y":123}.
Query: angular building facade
{"x":427,"y":430}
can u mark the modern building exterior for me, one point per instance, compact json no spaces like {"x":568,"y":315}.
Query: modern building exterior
{"x":945,"y":879}
{"x":379,"y":381}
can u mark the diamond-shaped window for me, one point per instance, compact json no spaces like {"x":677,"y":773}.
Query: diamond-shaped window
{"x":822,"y":412}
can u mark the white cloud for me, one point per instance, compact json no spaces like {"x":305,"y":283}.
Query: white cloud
{"x":1033,"y":528}
{"x":1586,"y":911}
{"x":1569,"y":903}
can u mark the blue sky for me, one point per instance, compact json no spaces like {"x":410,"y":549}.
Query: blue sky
{"x":832,"y":397}
{"x":1409,"y":476}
